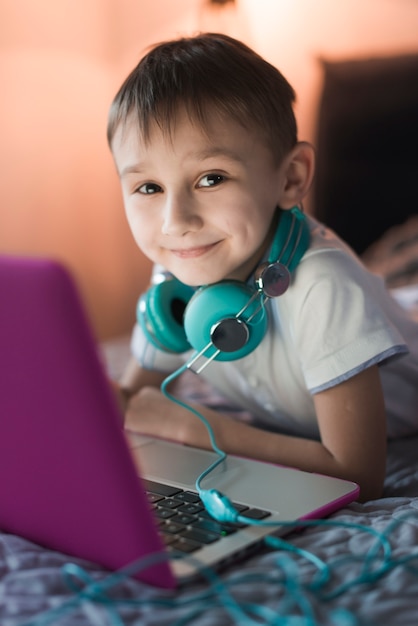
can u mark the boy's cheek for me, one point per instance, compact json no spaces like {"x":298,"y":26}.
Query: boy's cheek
{"x":139,"y":227}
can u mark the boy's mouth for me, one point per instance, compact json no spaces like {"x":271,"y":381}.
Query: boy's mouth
{"x":191,"y":253}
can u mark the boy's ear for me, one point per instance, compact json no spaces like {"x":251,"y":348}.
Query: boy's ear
{"x":297,"y":171}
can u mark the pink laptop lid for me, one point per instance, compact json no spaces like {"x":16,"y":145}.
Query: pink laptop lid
{"x":68,"y":480}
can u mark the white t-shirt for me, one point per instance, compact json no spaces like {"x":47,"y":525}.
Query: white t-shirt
{"x":335,"y":320}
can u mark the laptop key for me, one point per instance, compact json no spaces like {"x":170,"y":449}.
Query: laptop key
{"x":256,"y":514}
{"x":172,"y":528}
{"x":160,"y":489}
{"x":215,"y":527}
{"x":153,"y":497}
{"x":184,"y":545}
{"x":240,"y":507}
{"x":200,"y":536}
{"x":170,"y":503}
{"x":190,"y":509}
{"x":163,"y":513}
{"x":188,"y":496}
{"x":183,"y":518}
{"x":205,"y":515}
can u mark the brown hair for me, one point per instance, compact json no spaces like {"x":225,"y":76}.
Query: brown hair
{"x":207,"y":74}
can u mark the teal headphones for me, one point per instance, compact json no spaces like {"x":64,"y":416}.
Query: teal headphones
{"x":226,"y":320}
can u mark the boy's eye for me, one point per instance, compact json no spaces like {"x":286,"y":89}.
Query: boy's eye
{"x":149,"y":188}
{"x":211,"y":180}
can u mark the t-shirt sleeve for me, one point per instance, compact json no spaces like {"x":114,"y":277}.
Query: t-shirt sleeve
{"x":343,"y":321}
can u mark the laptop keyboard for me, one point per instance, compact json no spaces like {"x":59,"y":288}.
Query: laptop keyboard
{"x":183,"y":521}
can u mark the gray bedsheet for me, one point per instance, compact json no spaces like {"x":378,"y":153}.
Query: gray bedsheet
{"x":370,"y":558}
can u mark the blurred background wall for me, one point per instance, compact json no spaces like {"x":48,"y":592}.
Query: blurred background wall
{"x":62,"y":62}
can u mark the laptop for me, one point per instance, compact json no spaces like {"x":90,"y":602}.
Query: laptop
{"x":74,"y":481}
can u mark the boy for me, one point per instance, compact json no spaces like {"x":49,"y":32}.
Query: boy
{"x":204,"y":139}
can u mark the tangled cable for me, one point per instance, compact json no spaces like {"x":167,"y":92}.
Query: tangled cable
{"x":296,"y":593}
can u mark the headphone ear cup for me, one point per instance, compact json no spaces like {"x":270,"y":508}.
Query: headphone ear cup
{"x":219,"y":302}
{"x":160,"y":313}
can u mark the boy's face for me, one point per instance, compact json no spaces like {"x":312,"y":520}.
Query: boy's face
{"x":199,"y":203}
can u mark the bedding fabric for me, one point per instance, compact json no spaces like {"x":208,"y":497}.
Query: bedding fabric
{"x":361,"y":571}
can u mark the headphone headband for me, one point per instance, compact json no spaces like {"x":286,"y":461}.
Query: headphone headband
{"x":290,"y":243}
{"x":291,"y":239}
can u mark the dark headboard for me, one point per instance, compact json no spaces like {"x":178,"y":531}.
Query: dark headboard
{"x":367,"y":147}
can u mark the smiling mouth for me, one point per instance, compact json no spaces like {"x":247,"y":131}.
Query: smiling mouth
{"x":192,"y":253}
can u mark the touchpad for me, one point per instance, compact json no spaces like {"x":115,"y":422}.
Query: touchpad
{"x":166,"y":461}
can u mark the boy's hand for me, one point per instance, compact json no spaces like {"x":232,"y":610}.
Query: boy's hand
{"x":133,"y":378}
{"x":150,"y":413}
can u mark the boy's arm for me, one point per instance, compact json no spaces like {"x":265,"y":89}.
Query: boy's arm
{"x":351,"y":419}
{"x":134,"y":378}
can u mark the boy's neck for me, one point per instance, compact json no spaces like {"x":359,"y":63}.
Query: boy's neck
{"x":267,"y":242}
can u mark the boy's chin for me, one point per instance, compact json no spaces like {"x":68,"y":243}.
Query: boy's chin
{"x":198,"y":281}
{"x":202,"y":276}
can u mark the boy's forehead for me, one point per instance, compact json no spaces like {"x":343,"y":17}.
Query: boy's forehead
{"x":213,"y":129}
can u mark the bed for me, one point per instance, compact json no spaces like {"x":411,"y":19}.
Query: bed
{"x":359,"y":568}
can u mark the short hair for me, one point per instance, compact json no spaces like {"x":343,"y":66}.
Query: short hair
{"x":207,"y":74}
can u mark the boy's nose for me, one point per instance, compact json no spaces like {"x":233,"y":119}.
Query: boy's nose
{"x":180,"y":216}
